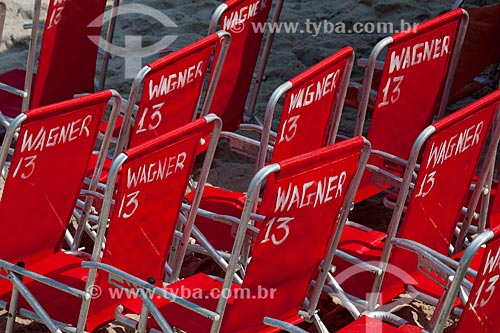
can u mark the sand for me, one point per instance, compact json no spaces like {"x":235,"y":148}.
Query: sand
{"x":291,"y":54}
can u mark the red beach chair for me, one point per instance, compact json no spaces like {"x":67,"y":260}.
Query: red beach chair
{"x":449,"y":151}
{"x":407,"y":99}
{"x":479,"y":313}
{"x":246,"y":21}
{"x":478,"y":55}
{"x":313,"y":102}
{"x":171,"y":93}
{"x":49,"y":162}
{"x":143,"y":200}
{"x":294,"y":235}
{"x":172,"y":89}
{"x":67,"y":61}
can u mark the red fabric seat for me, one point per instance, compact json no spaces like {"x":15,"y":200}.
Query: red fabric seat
{"x":202,"y":290}
{"x":161,"y":110}
{"x":478,"y":315}
{"x":66,"y":268}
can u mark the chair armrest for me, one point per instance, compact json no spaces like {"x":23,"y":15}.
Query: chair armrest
{"x":12,"y":90}
{"x":363,"y":62}
{"x":432,"y":260}
{"x":245,"y":146}
{"x":7,"y":268}
{"x":283,"y":325}
{"x":5,"y":121}
{"x":252,"y":231}
{"x":146,"y":290}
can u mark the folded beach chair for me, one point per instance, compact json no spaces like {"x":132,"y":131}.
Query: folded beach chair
{"x":141,"y":205}
{"x":414,"y":88}
{"x":306,"y":200}
{"x":46,"y":172}
{"x":67,"y":61}
{"x":171,"y":93}
{"x":448,"y":153}
{"x":480,"y":57}
{"x":482,"y":300}
{"x":246,"y":21}
{"x":313,"y":102}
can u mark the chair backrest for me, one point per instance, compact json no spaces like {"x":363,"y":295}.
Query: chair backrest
{"x":46,"y":173}
{"x":67,"y":61}
{"x":245,"y":20}
{"x":480,"y":312}
{"x":479,"y":49}
{"x":172,"y":87}
{"x":450,"y":150}
{"x":305,"y":202}
{"x":312,"y":108}
{"x":151,"y":184}
{"x":408,"y":99}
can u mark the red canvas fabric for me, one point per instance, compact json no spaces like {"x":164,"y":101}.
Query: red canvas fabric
{"x":68,"y":55}
{"x":480,"y":314}
{"x":411,"y":87}
{"x":226,"y":202}
{"x":202,"y":290}
{"x":308,"y":109}
{"x":12,"y":104}
{"x":286,"y":256}
{"x":137,"y":239}
{"x":54,"y":140}
{"x":172,"y":90}
{"x":67,"y":60}
{"x":239,"y":19}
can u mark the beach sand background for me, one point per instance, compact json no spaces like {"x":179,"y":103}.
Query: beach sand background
{"x":291,"y":54}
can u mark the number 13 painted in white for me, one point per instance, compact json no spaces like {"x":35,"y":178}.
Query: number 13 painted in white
{"x":282,"y":230}
{"x":490,"y":290}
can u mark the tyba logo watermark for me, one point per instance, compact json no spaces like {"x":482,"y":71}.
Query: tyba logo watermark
{"x":133,"y":52}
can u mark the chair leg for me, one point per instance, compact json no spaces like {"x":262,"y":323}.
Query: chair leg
{"x":143,"y":319}
{"x":20,"y":288}
{"x":11,"y":315}
{"x":319,"y":324}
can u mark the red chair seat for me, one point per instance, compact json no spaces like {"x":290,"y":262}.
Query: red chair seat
{"x":200,"y":289}
{"x":60,"y":306}
{"x":10,"y":104}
